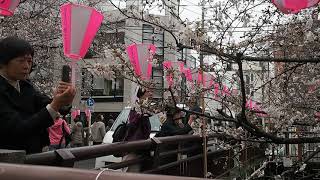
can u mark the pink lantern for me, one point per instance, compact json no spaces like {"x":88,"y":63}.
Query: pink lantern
{"x":211,"y":82}
{"x":293,"y":6}
{"x":88,"y":113}
{"x":181,"y":66}
{"x":216,"y":90}
{"x":226,"y":91}
{"x":79,"y":26}
{"x":75,"y":113}
{"x":167,"y":64}
{"x":7,"y":7}
{"x":140,"y":56}
{"x":202,"y":78}
{"x":249,"y":104}
{"x":234,"y":92}
{"x":169,"y":77}
{"x":187,"y":73}
{"x":170,"y":65}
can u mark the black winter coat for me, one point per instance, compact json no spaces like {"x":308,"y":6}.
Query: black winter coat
{"x":169,"y":128}
{"x":24,"y":118}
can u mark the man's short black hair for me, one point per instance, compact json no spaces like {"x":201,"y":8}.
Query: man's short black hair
{"x":141,"y":92}
{"x":12,"y":47}
{"x":171,"y":111}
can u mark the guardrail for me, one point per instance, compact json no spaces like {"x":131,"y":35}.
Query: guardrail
{"x":190,"y":166}
{"x":24,"y":172}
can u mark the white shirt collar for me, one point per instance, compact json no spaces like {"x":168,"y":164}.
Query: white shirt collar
{"x":15,"y":84}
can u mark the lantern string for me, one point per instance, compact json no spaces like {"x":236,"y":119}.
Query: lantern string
{"x":73,"y":73}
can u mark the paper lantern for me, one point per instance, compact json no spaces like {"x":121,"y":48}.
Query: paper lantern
{"x":226,"y":91}
{"x":7,"y":7}
{"x":167,"y":64}
{"x":75,"y":113}
{"x":171,"y":65}
{"x":235,"y":92}
{"x":169,"y":76}
{"x":140,"y":56}
{"x":79,"y":26}
{"x":293,"y":6}
{"x":88,"y":113}
{"x":249,"y":104}
{"x":216,"y":90}
{"x":187,"y":73}
{"x":201,"y":78}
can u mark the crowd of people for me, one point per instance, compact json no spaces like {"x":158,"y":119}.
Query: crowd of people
{"x":64,"y":135}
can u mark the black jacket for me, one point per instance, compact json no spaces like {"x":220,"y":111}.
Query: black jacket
{"x":169,"y":128}
{"x":24,"y":118}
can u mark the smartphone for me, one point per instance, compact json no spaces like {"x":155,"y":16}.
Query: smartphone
{"x":66,"y":73}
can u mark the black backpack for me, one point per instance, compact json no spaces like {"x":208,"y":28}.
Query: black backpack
{"x":120,"y":132}
{"x":118,"y":136}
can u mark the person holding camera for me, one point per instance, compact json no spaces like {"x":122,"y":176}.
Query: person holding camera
{"x":25,"y":113}
{"x":174,"y":124}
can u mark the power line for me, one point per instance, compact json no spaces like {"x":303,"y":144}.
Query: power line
{"x":140,"y":35}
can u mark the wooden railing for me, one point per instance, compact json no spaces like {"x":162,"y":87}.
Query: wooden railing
{"x":24,"y":172}
{"x":192,"y":165}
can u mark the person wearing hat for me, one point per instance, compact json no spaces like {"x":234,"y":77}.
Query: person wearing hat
{"x":171,"y":127}
{"x":174,"y":124}
{"x":25,"y":114}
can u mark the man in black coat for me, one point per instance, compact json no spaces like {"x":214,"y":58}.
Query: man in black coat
{"x":25,"y":114}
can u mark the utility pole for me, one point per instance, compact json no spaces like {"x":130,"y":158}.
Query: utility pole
{"x":204,"y":123}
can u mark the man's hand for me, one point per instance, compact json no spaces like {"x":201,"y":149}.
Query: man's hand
{"x":192,"y":118}
{"x":63,"y":95}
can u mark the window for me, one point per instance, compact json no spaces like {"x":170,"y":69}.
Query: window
{"x":104,"y":87}
{"x":149,"y":36}
{"x":113,"y":38}
{"x":247,"y":79}
{"x":229,"y":67}
{"x":157,"y":76}
{"x":101,"y":87}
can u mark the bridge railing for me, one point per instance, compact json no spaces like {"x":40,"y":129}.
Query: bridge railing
{"x":27,"y":172}
{"x":191,"y":165}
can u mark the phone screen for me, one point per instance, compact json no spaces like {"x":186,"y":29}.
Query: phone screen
{"x":66,"y":73}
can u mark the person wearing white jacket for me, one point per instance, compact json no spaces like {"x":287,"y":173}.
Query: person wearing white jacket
{"x":98,"y":130}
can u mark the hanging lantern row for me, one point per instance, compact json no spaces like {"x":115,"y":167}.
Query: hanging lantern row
{"x":7,"y":7}
{"x":205,"y":79}
{"x":294,"y":6}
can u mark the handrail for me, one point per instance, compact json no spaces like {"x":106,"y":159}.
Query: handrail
{"x":83,"y":153}
{"x":317,"y":151}
{"x":31,"y":172}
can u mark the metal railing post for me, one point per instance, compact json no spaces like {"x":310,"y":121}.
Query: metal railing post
{"x":156,"y":156}
{"x":67,"y":158}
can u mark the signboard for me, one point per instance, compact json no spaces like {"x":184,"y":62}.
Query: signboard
{"x":90,"y":102}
